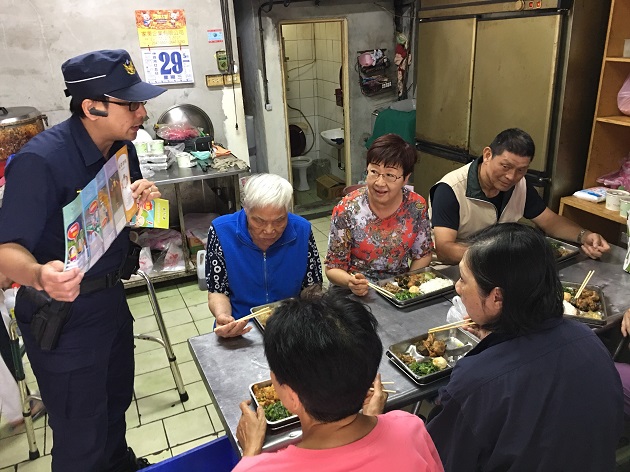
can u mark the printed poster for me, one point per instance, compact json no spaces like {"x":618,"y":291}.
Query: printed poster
{"x":76,"y":246}
{"x":161,"y":28}
{"x":115,"y":194}
{"x":105,"y":212}
{"x":129,"y":204}
{"x":89,"y":199}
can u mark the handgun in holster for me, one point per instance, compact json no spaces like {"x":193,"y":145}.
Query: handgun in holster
{"x":49,"y":318}
{"x":131,"y":263}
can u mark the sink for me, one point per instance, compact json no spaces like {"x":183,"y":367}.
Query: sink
{"x":334,"y":137}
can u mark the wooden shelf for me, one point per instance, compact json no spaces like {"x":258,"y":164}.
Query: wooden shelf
{"x":595,"y":217}
{"x":621,"y":120}
{"x":598,"y":209}
{"x":617,"y":59}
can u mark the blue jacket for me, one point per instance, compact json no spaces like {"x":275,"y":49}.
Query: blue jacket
{"x":257,"y":277}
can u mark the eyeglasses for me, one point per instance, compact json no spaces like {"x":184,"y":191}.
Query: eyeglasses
{"x":389,"y":178}
{"x":133,"y":106}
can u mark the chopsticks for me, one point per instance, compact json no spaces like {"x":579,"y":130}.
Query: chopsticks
{"x":385,"y":390}
{"x":583,"y":286}
{"x":263,"y":311}
{"x":381,"y":290}
{"x":456,"y":324}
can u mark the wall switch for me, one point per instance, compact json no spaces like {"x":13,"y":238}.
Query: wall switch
{"x":215,"y":80}
{"x":229,"y":78}
{"x":268,"y":107}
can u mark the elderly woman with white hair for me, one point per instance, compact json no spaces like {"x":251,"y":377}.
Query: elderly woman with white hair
{"x":259,"y":255}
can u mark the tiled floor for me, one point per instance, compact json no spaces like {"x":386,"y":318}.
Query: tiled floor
{"x":159,"y":426}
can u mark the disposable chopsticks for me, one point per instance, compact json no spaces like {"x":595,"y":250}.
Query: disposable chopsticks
{"x":385,"y":390}
{"x":381,"y":290}
{"x":262,"y":311}
{"x":583,"y":286}
{"x":456,"y":324}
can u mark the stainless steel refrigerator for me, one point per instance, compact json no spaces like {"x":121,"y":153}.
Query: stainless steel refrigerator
{"x":488,"y":65}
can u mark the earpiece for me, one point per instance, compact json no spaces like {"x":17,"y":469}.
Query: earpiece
{"x":94,"y":112}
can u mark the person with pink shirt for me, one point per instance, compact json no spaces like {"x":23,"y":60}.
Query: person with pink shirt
{"x":324,"y":355}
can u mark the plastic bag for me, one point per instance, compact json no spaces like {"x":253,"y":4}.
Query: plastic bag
{"x":177,"y":132}
{"x":170,"y":260}
{"x":619,"y":178}
{"x":457,"y":312}
{"x":623,"y":97}
{"x":146,"y":261}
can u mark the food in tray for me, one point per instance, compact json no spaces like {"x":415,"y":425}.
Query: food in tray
{"x":588,"y":305}
{"x":431,"y":347}
{"x":262,"y":319}
{"x":559,"y":250}
{"x":269,"y":400}
{"x":424,"y":367}
{"x":407,"y":286}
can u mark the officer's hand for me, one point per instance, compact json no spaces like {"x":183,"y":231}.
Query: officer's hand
{"x":144,"y":190}
{"x":227,"y":327}
{"x":60,"y":285}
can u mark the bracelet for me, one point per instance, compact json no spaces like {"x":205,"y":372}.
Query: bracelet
{"x":581,"y":235}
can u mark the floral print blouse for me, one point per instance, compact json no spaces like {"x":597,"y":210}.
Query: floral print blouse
{"x":360,"y":241}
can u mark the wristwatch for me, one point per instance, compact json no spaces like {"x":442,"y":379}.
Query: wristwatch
{"x":581,"y":235}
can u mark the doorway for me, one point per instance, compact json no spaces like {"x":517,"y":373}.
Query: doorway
{"x":314,"y":77}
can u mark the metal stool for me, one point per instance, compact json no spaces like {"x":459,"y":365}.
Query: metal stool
{"x":33,"y":452}
{"x":164,"y":340}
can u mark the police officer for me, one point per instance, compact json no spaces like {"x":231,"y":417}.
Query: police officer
{"x":86,"y":381}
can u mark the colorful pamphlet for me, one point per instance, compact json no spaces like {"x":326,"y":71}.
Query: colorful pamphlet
{"x":101,"y":210}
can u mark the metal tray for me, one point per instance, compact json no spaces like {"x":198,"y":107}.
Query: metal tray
{"x":603,"y":311}
{"x":421,"y":298}
{"x":257,"y":322}
{"x":289,"y":420}
{"x":569,"y":250}
{"x":401,"y":348}
{"x":451,"y":355}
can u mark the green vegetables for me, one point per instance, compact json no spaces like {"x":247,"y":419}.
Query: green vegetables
{"x":276,"y":412}
{"x":423,"y":368}
{"x":405,"y":295}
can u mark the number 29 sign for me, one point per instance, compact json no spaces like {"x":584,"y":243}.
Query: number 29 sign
{"x":167,"y":66}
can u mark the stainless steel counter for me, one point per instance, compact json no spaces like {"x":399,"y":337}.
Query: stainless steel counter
{"x":177,"y":175}
{"x":228,"y":367}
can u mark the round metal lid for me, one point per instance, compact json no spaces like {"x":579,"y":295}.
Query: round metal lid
{"x":13,"y":115}
{"x":188,"y":114}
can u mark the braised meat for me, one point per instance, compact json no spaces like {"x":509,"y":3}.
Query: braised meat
{"x":432,"y":347}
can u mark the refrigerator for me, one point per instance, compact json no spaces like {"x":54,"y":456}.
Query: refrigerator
{"x":488,"y":65}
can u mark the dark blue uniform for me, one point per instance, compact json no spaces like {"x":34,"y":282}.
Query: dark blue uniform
{"x":87,"y":381}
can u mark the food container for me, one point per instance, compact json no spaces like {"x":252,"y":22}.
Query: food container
{"x":613,"y":199}
{"x":416,"y":299}
{"x":17,"y":126}
{"x":261,"y":321}
{"x":563,"y":250}
{"x":589,"y":317}
{"x":290,"y":420}
{"x":458,"y":343}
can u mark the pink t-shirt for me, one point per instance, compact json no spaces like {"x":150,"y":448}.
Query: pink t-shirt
{"x":399,"y":441}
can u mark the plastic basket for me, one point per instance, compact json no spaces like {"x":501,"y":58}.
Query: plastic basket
{"x":215,"y":456}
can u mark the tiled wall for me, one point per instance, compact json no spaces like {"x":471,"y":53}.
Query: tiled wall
{"x":313,"y":60}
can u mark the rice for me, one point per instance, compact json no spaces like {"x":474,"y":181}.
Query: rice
{"x":435,"y":284}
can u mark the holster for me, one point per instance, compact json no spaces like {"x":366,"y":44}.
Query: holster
{"x":49,"y":318}
{"x":131,"y":263}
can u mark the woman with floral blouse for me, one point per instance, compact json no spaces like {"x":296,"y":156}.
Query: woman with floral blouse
{"x":382,"y":229}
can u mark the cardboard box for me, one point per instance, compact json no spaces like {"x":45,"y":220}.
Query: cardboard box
{"x":330,"y":187}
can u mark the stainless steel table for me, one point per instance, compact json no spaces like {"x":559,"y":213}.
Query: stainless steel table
{"x":228,"y":367}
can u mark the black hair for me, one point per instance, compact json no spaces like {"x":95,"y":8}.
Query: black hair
{"x":513,"y":140}
{"x":76,"y":104}
{"x":520,"y":261}
{"x":327,"y":350}
{"x":391,"y":150}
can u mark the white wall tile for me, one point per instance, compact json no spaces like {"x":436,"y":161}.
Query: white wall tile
{"x":305,"y":31}
{"x":320,"y":49}
{"x":333,"y":30}
{"x":291,"y":68}
{"x":307,"y":70}
{"x":305,"y":50}
{"x":293,"y":89}
{"x":307,"y":105}
{"x":336,"y":51}
{"x":289,"y":32}
{"x":307,"y":88}
{"x":320,"y":30}
{"x":290,"y":50}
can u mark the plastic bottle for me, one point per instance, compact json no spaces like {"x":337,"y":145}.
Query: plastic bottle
{"x":9,"y":299}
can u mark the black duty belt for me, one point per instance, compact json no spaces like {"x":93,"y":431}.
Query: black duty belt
{"x":94,"y":284}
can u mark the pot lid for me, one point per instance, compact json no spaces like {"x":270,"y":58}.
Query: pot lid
{"x":13,"y":115}
{"x":188,"y":114}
